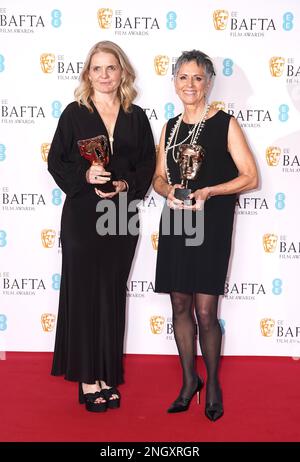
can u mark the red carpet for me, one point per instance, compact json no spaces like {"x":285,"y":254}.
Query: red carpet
{"x":261,"y":401}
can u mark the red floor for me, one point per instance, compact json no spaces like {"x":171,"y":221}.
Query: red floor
{"x":261,"y":401}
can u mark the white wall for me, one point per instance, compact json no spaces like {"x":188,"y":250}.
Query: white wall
{"x":261,"y":285}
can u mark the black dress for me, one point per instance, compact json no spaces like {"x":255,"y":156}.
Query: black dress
{"x":201,"y":268}
{"x":95,"y":268}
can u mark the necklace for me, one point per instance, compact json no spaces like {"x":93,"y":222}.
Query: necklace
{"x":193,"y":134}
{"x":111,"y":139}
{"x":109,"y":132}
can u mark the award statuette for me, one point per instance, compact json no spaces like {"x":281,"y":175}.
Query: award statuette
{"x":190,"y":158}
{"x":96,"y":151}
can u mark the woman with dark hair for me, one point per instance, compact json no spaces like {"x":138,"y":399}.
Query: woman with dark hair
{"x":206,"y":149}
{"x":102,"y":125}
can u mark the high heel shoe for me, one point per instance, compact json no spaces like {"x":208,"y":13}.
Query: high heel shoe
{"x":89,"y":399}
{"x":182,"y":404}
{"x":214,"y":410}
{"x":112,"y":402}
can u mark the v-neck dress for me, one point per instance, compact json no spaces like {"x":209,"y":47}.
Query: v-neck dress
{"x":95,"y":268}
{"x":199,"y":268}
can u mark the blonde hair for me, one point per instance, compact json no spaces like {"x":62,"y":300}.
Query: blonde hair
{"x":126,"y":91}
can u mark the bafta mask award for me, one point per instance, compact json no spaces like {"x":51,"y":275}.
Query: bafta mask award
{"x":190,"y":158}
{"x":96,"y":151}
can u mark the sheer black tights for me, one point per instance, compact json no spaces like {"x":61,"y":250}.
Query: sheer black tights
{"x":210,"y":337}
{"x":185,"y":335}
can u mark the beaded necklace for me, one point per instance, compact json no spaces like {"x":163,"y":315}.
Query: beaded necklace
{"x":193,"y":134}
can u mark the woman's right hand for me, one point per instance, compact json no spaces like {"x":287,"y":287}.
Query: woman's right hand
{"x":97,"y":174}
{"x":172,"y":201}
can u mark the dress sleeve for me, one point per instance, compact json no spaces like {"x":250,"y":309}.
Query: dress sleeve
{"x":140,"y":179}
{"x":64,"y":162}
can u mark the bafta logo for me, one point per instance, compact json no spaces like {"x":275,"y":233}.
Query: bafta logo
{"x":45,"y":147}
{"x":218,"y":105}
{"x":47,"y":61}
{"x":157,"y":324}
{"x":48,"y":238}
{"x":276,"y":65}
{"x":270,"y":242}
{"x":48,"y":322}
{"x":104,"y":17}
{"x":220,"y":19}
{"x":267,"y":327}
{"x":154,"y":240}
{"x":273,"y":155}
{"x":161,"y":64}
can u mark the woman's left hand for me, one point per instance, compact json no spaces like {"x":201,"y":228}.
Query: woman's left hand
{"x":200,"y":196}
{"x":120,"y":186}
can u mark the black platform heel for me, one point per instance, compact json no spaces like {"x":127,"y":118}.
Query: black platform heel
{"x":89,"y":400}
{"x":112,"y":403}
{"x":182,"y":404}
{"x":214,"y":410}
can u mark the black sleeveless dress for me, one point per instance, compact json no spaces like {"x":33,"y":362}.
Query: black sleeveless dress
{"x":199,"y":268}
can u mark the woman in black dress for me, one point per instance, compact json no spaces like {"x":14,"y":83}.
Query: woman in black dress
{"x":193,"y":272}
{"x":95,"y":265}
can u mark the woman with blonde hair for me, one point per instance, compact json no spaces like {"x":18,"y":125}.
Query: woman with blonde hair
{"x":102,"y":150}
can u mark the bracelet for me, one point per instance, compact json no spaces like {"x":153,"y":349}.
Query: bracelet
{"x":126,"y":185}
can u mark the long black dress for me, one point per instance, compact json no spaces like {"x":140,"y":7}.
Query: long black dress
{"x":202,"y":268}
{"x":95,"y":268}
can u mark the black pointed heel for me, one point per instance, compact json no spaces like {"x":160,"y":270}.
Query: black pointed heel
{"x":214,"y":410}
{"x":182,"y":404}
{"x":89,"y":399}
{"x":112,"y":403}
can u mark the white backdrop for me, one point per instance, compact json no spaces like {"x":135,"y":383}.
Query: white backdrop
{"x":253,"y":45}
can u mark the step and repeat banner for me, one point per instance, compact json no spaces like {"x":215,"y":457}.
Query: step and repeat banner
{"x":255,"y":48}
